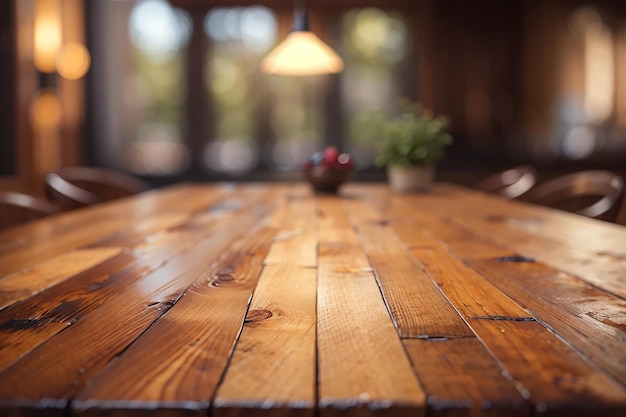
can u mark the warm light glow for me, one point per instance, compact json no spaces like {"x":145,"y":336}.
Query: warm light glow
{"x":302,"y":53}
{"x":74,"y":61}
{"x":46,"y":110}
{"x":47,"y":34}
{"x":599,"y":73}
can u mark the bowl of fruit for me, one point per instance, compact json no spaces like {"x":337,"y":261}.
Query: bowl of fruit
{"x":328,"y":169}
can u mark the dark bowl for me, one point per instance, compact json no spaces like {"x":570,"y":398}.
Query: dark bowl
{"x":327,"y":179}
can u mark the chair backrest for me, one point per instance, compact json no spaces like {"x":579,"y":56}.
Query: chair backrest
{"x":511,"y":183}
{"x":596,"y":193}
{"x":17,"y":208}
{"x":74,"y":187}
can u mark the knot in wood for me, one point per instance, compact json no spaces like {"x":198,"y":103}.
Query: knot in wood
{"x":515,"y":259}
{"x":257,"y":315}
{"x":224,"y":275}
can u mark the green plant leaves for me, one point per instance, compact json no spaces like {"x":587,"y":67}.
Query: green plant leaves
{"x":415,"y":138}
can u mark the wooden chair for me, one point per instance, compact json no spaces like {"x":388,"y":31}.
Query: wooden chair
{"x":511,"y":183}
{"x":75,"y":187}
{"x":597,"y":194}
{"x":17,"y":208}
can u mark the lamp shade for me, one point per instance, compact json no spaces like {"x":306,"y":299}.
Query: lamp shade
{"x":302,"y":53}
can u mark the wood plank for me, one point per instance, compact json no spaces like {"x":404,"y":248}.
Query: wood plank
{"x":416,"y":228}
{"x":142,"y":230}
{"x":566,"y":304}
{"x":59,"y":368}
{"x":175,"y":366}
{"x":461,"y":379}
{"x":338,"y":244}
{"x":472,"y":295}
{"x":27,"y":325}
{"x":362,"y":366}
{"x":569,"y":229}
{"x":589,"y":319}
{"x":273,"y":368}
{"x":608,"y":273}
{"x":86,"y":226}
{"x":31,"y":233}
{"x":555,"y":378}
{"x":296,"y":242}
{"x":24,"y":284}
{"x":418,"y":307}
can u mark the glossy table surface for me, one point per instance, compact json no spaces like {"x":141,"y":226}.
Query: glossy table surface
{"x":267,"y":299}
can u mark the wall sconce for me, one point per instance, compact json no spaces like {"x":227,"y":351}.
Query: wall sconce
{"x":50,"y":55}
{"x":53,"y":110}
{"x":302,"y":52}
{"x":47,"y":36}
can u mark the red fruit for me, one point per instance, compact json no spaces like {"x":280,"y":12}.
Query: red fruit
{"x":345,"y":160}
{"x":330,"y":154}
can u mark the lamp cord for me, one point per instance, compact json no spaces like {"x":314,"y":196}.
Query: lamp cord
{"x":300,"y":17}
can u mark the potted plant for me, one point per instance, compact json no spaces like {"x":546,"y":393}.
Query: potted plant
{"x":414,"y":143}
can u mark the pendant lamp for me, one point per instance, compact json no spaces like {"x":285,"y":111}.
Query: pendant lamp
{"x":302,"y":52}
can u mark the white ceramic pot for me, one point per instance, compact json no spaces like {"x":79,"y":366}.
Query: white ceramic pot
{"x":411,"y":178}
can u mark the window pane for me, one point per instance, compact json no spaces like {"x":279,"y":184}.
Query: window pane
{"x":375,"y":45}
{"x":240,"y":37}
{"x":158,"y":36}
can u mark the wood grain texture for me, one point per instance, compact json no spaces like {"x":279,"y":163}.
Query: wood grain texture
{"x":268,"y":299}
{"x":41,"y":240}
{"x":28,"y":325}
{"x":460,"y":378}
{"x":470,"y":212}
{"x":338,"y":246}
{"x":607,"y":273}
{"x":273,"y":368}
{"x":362,"y":366}
{"x":416,"y":228}
{"x":296,"y":242}
{"x":566,"y":228}
{"x":24,"y":284}
{"x":555,"y":378}
{"x":177,"y":363}
{"x":591,"y":320}
{"x":471,"y":293}
{"x":81,"y":350}
{"x":31,"y":324}
{"x":418,"y":307}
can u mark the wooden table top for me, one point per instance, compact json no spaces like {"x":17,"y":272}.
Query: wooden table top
{"x":266,"y":299}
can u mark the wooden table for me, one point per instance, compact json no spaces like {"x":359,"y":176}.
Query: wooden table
{"x":261,"y":299}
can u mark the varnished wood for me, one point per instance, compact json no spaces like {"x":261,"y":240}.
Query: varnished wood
{"x":361,"y":362}
{"x":271,"y":300}
{"x":213,"y":309}
{"x":474,"y":384}
{"x":417,"y":306}
{"x":24,"y":284}
{"x":273,"y":366}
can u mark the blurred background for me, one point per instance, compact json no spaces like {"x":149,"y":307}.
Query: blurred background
{"x":171,"y":90}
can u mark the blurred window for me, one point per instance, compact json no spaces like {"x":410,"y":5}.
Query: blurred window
{"x":375,"y":45}
{"x":155,"y":91}
{"x":590,"y":109}
{"x":255,"y":122}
